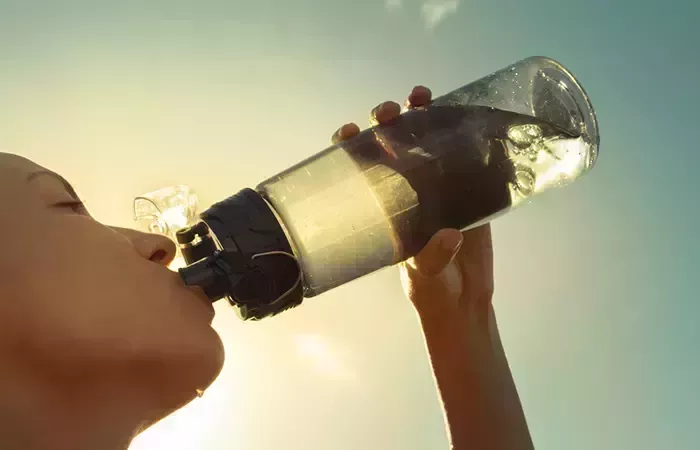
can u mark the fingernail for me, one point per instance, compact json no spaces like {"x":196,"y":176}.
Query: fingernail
{"x":375,"y":110}
{"x":342,"y":131}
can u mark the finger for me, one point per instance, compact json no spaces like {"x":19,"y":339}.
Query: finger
{"x":477,"y":239}
{"x":384,"y":113}
{"x":476,"y":260}
{"x":420,"y":96}
{"x":438,"y":253}
{"x":347,"y":131}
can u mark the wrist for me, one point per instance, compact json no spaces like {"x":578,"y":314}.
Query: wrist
{"x":441,"y":312}
{"x":460,"y":332}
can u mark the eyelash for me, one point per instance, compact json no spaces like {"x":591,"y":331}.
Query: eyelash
{"x":76,"y":206}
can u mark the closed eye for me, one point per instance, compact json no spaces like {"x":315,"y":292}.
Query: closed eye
{"x":74,"y":205}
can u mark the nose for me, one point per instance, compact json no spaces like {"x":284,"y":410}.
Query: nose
{"x":154,"y":247}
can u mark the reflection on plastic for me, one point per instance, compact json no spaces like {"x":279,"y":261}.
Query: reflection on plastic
{"x":167,"y":210}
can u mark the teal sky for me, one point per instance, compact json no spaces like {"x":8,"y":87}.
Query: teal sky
{"x":597,"y":294}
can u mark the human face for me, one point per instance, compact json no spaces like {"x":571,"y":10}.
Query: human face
{"x":79,"y":297}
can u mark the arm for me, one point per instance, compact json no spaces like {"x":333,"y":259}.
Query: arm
{"x":479,"y":397}
{"x":451,"y":286}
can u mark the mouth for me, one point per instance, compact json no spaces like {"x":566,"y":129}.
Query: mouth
{"x":202,"y":297}
{"x":194,"y":291}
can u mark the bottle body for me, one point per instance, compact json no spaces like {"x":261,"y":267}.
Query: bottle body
{"x":470,"y":156}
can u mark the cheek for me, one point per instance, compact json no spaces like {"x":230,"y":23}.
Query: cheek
{"x":93,"y":298}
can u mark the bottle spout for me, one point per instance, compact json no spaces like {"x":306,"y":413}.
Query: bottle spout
{"x":167,"y":210}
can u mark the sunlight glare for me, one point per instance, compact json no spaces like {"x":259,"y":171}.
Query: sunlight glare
{"x":322,"y":357}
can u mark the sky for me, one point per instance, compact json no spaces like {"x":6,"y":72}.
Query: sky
{"x":596,"y":292}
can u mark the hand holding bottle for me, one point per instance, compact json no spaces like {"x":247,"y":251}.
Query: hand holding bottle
{"x":455,"y":270}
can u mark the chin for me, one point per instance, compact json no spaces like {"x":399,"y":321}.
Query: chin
{"x":204,"y":364}
{"x":180,"y":374}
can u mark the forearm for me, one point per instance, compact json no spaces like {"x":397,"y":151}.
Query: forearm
{"x":480,"y":400}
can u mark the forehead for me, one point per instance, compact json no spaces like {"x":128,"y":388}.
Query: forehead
{"x":18,"y":165}
{"x":15,"y":192}
{"x":16,"y":172}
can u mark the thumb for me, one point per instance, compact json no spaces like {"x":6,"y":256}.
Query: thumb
{"x":438,"y":253}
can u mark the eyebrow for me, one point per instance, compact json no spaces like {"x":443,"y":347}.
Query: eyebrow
{"x":63,"y":181}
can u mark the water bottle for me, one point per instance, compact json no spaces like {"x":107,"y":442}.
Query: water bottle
{"x":376,"y":199}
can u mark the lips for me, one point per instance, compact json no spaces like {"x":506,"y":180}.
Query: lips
{"x":202,"y":297}
{"x":194,"y":293}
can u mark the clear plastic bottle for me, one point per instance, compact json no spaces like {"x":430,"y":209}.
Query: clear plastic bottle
{"x":470,"y":156}
{"x":167,"y":210}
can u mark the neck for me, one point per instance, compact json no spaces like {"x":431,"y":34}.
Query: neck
{"x":68,"y":414}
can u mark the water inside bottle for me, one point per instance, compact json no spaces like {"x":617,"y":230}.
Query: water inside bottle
{"x":377,"y":199}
